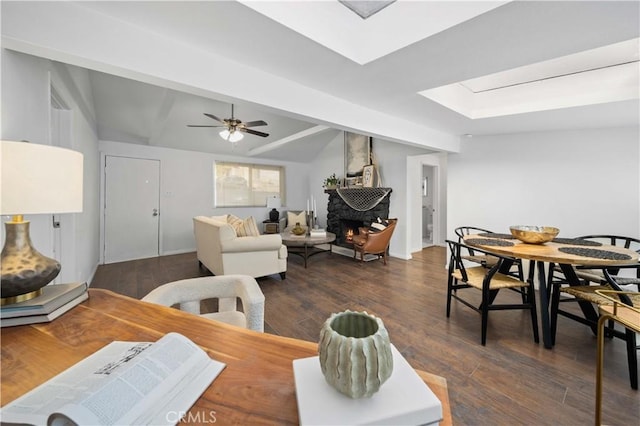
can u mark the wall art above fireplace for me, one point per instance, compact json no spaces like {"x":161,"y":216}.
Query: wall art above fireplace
{"x":357,"y":154}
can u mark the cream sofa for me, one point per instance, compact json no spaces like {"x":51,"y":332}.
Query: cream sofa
{"x":224,"y":253}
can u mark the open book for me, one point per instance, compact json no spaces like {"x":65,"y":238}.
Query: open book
{"x":122,"y":383}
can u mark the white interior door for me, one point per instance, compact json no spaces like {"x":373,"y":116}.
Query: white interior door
{"x":131,"y":209}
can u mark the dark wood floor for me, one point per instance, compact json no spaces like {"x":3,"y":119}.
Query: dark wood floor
{"x":511,"y":380}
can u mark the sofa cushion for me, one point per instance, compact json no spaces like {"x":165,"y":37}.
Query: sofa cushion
{"x":247,"y":228}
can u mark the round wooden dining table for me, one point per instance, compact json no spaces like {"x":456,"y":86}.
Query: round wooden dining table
{"x":565,"y":252}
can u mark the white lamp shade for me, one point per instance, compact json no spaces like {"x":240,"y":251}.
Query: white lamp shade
{"x":37,"y":179}
{"x":234,"y":136}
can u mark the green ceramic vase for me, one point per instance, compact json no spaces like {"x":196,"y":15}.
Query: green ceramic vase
{"x":355,"y":353}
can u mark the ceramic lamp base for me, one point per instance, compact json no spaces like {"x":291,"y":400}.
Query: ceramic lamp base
{"x":24,"y":270}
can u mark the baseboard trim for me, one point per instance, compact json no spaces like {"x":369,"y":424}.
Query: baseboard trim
{"x":344,"y":251}
{"x":180,"y":251}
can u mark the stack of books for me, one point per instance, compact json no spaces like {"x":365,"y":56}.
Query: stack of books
{"x":318,"y":233}
{"x":404,"y":399}
{"x":55,"y":300}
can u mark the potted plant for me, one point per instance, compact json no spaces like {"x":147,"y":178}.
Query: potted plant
{"x":331,"y":182}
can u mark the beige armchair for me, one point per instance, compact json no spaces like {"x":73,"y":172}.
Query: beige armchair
{"x":227,"y":289}
{"x":368,"y":241}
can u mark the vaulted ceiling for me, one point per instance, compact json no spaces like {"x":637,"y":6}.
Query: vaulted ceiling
{"x":299,"y":65}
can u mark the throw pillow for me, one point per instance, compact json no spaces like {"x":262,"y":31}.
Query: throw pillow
{"x":293,"y":218}
{"x":247,"y":228}
{"x":234,"y":220}
{"x":379,"y":225}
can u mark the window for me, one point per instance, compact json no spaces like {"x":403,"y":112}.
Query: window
{"x":247,"y":185}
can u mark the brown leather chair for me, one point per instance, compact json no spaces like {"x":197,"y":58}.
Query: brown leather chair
{"x":368,"y":241}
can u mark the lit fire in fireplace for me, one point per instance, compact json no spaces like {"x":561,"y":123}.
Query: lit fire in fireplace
{"x":349,"y":235}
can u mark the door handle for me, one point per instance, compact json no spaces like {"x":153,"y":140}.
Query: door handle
{"x":155,"y":212}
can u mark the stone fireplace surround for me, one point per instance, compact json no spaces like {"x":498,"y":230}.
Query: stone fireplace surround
{"x":341,"y":216}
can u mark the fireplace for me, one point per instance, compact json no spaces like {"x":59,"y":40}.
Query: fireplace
{"x":349,"y":209}
{"x":349,"y":228}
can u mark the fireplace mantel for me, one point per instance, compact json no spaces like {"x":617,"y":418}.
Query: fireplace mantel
{"x":332,"y":190}
{"x":362,"y":199}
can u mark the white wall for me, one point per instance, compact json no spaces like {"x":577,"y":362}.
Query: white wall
{"x":26,"y":83}
{"x":330,"y":160}
{"x":391,"y":162}
{"x":583,"y":182}
{"x":186,"y":188}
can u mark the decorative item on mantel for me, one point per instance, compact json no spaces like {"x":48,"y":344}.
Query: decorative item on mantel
{"x":355,"y":353}
{"x":332,"y":182}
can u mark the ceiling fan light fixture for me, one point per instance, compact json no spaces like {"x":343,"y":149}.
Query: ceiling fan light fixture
{"x":231,"y":136}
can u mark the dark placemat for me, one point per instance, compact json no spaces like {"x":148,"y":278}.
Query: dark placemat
{"x":496,"y":235}
{"x":577,"y":242}
{"x":487,"y":242}
{"x":594,"y":253}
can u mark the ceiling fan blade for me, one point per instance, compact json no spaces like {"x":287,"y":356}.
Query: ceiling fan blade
{"x":214,"y":117}
{"x":255,"y":123}
{"x":201,"y":125}
{"x":253,"y":132}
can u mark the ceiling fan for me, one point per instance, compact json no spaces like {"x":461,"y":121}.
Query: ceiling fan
{"x":234,"y":127}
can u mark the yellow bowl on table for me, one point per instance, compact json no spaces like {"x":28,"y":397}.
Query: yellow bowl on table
{"x":534,"y":234}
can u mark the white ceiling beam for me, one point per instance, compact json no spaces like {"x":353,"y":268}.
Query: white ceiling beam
{"x":292,"y":138}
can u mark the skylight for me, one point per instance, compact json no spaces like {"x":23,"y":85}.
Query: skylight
{"x":391,"y":28}
{"x":606,"y":74}
{"x":364,"y":9}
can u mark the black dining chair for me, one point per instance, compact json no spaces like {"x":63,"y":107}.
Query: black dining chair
{"x":489,"y":280}
{"x":486,"y":260}
{"x":592,"y":279}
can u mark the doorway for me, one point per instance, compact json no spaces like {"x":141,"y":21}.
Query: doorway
{"x":427,"y":205}
{"x":426,"y":200}
{"x":131,"y":209}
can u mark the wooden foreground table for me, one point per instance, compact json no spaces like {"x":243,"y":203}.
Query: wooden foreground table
{"x":256,"y":387}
